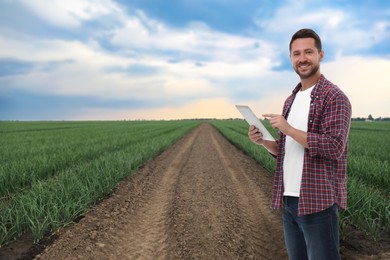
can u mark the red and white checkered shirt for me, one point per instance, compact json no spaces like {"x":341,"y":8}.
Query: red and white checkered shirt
{"x":325,"y":161}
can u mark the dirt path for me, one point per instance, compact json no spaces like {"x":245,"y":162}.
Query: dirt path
{"x":201,"y":199}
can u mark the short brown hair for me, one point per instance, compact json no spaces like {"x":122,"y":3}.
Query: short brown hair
{"x":307,"y":33}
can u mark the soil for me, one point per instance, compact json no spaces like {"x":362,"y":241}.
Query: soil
{"x":201,"y":199}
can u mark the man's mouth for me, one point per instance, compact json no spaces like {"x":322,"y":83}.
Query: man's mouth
{"x":304,"y":66}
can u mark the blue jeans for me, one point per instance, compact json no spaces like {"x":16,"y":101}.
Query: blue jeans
{"x":314,"y":236}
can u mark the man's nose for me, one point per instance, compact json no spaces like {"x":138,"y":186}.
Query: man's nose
{"x":302,"y":57}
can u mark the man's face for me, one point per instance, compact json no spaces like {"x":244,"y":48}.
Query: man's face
{"x":305,"y":57}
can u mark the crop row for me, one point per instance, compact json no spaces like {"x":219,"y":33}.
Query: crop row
{"x":37,"y":156}
{"x":64,"y":170}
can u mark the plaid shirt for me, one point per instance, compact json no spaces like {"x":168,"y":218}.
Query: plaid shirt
{"x":325,"y":161}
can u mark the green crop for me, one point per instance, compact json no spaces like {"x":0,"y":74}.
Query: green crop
{"x":51,"y":172}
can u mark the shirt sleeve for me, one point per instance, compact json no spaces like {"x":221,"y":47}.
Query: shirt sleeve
{"x":333,"y":131}
{"x":273,"y":155}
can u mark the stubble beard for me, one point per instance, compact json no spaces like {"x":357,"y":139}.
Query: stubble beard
{"x":312,"y":72}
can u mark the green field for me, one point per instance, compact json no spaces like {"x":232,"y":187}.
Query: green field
{"x":368,"y":171}
{"x":51,"y":172}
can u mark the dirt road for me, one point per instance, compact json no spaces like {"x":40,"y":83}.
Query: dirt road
{"x":201,"y":199}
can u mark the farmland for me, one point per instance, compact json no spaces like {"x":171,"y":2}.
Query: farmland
{"x":51,"y":172}
{"x":200,"y":197}
{"x":368,"y":171}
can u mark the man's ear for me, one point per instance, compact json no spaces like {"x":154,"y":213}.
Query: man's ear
{"x":321,"y":55}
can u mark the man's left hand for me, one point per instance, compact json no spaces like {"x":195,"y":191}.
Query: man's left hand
{"x":278,"y":122}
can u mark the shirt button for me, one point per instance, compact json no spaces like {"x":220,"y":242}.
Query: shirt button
{"x":311,"y":121}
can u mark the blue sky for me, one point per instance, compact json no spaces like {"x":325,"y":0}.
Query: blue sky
{"x":158,"y":59}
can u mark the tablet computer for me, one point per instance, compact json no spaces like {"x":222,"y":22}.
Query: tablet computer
{"x":252,"y":119}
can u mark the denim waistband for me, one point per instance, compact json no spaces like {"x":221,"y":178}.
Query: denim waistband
{"x":290,"y":200}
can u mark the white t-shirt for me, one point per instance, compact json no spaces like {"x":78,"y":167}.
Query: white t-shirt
{"x":294,"y":151}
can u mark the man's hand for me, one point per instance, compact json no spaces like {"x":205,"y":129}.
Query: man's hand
{"x":279,"y":122}
{"x":255,"y":135}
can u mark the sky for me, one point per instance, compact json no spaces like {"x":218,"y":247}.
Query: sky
{"x":182,"y":59}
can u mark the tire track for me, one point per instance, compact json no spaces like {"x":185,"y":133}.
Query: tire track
{"x":149,"y":238}
{"x":201,"y":212}
{"x":253,"y":204}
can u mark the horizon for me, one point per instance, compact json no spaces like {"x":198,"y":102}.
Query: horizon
{"x":354,"y":119}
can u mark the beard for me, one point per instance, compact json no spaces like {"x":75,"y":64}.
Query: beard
{"x":309,"y":73}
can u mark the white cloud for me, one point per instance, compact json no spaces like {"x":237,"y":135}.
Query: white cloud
{"x":188,"y":86}
{"x":211,"y":68}
{"x":344,"y":31}
{"x":293,"y":16}
{"x":197,"y":40}
{"x":228,"y":56}
{"x":71,"y":13}
{"x":365,"y":82}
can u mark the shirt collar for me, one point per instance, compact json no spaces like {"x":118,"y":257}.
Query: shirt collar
{"x":317,"y":87}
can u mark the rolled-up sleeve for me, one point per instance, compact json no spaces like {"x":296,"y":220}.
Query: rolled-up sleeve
{"x":330,"y":141}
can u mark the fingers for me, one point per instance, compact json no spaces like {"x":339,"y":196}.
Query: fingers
{"x":275,"y":120}
{"x":270,"y":115}
{"x":253,"y":129}
{"x":255,"y":135}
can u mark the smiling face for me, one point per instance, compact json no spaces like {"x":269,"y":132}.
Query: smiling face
{"x":305,"y":58}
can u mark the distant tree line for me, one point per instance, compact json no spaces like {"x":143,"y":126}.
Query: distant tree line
{"x":371,"y":118}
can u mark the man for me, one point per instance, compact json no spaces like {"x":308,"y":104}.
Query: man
{"x":310,"y":176}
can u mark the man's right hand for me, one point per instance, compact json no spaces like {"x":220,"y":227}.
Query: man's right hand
{"x":255,"y":135}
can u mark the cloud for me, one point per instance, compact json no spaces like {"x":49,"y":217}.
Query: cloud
{"x":197,"y":41}
{"x":342,"y":30}
{"x":13,"y":67}
{"x":71,"y":13}
{"x":117,"y":54}
{"x":206,"y":108}
{"x":209,"y":57}
{"x":364,"y":81}
{"x":293,"y":15}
